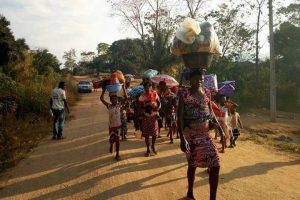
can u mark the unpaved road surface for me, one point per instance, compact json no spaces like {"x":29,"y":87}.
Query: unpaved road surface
{"x":80,"y":167}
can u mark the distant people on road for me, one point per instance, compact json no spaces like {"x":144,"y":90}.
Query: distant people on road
{"x":58,"y":105}
{"x":115,"y":123}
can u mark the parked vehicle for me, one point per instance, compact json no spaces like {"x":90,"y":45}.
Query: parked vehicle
{"x":85,"y":86}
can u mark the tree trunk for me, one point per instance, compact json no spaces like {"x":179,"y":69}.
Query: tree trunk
{"x":272,"y":67}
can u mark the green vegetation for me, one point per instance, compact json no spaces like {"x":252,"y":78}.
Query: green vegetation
{"x":26,"y":80}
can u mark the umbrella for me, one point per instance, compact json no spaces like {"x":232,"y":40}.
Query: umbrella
{"x":136,"y":91}
{"x":226,"y":88}
{"x":169,"y":80}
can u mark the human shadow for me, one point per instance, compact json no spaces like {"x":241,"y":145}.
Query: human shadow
{"x":128,"y":168}
{"x":247,"y":171}
{"x":73,"y":168}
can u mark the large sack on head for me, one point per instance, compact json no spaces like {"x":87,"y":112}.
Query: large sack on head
{"x":191,"y":38}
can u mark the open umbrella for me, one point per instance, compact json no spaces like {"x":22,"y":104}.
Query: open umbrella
{"x":226,"y":88}
{"x":169,"y":80}
{"x":136,"y":91}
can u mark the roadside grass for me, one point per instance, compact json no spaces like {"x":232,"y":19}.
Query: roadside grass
{"x":280,"y":142}
{"x":20,"y":133}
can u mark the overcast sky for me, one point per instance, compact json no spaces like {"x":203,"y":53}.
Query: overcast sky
{"x":60,"y":25}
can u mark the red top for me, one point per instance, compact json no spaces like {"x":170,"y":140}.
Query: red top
{"x":218,"y":112}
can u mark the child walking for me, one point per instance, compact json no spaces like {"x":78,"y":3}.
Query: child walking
{"x":115,"y":124}
{"x":173,"y":124}
{"x":236,"y":122}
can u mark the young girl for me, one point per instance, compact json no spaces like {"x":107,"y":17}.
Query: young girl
{"x":173,"y":123}
{"x":235,"y":123}
{"x":149,"y":101}
{"x":115,"y":124}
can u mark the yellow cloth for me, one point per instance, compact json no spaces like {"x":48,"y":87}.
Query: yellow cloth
{"x":235,"y":120}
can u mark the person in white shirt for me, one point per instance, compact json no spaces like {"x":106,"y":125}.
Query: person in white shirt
{"x":58,"y":104}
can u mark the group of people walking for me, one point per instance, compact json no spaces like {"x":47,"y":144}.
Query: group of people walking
{"x":190,"y":113}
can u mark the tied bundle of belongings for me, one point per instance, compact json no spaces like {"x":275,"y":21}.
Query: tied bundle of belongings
{"x":226,"y":88}
{"x":149,"y":73}
{"x":211,"y":82}
{"x":129,"y":78}
{"x":115,"y":82}
{"x":196,"y":43}
{"x":136,"y":91}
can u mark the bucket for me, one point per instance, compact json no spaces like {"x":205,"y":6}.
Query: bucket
{"x":197,"y":60}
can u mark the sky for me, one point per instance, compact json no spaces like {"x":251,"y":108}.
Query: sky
{"x":60,"y":25}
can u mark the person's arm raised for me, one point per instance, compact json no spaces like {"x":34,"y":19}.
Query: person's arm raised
{"x":102,"y":97}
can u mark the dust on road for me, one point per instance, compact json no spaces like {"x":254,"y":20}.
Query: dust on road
{"x":80,"y":167}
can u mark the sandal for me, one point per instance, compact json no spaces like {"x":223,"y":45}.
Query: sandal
{"x":147,"y":154}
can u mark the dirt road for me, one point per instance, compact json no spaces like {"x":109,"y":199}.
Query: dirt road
{"x":80,"y":167}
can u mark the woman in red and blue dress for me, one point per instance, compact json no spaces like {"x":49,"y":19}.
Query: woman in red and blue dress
{"x":150,"y":103}
{"x":194,"y":113}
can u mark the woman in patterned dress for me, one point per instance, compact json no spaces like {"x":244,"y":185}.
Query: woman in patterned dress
{"x":194,"y":114}
{"x":150,"y":103}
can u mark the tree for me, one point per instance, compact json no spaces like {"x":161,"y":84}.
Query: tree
{"x":235,"y":35}
{"x":70,"y":57}
{"x":102,"y":48}
{"x":258,"y":6}
{"x":44,"y":61}
{"x":291,"y":12}
{"x":160,"y":27}
{"x":87,"y":56}
{"x":287,"y":51}
{"x":6,"y":41}
{"x":272,"y":66}
{"x":133,"y":13}
{"x":127,"y":55}
{"x":152,"y":22}
{"x":194,"y":7}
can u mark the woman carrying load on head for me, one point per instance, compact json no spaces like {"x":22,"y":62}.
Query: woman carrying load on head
{"x":196,"y":44}
{"x":194,"y":113}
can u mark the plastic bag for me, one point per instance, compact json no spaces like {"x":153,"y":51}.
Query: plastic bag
{"x":210,"y":82}
{"x":150,"y":73}
{"x":185,"y":42}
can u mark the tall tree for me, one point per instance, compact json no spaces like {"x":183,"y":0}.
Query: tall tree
{"x":257,"y":5}
{"x":236,"y":37}
{"x":44,"y":61}
{"x":126,"y":55}
{"x":292,"y":12}
{"x":102,"y":48}
{"x":272,"y":66}
{"x":194,"y":7}
{"x":133,"y":13}
{"x":70,"y":59}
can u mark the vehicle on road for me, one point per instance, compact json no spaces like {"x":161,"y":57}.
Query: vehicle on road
{"x":85,"y":86}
